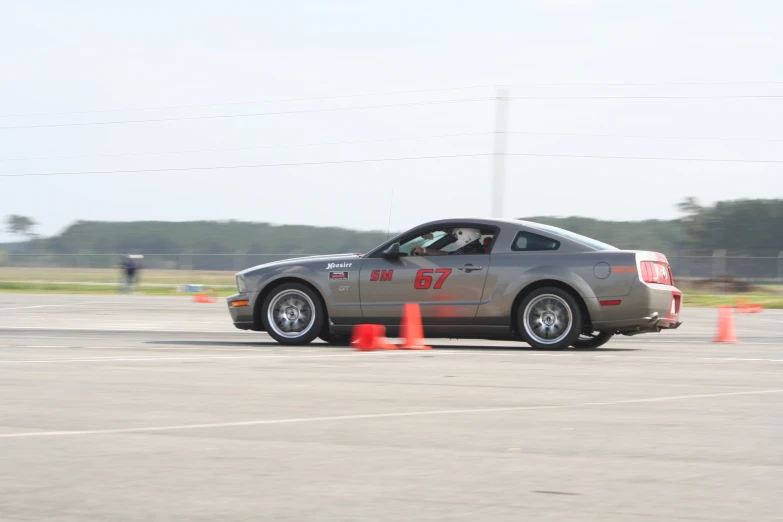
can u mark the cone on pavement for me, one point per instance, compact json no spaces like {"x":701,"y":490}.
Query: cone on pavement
{"x":726,"y":333}
{"x":362,"y":337}
{"x":381,"y":342}
{"x":370,"y":337}
{"x":204,"y":298}
{"x":412,"y":330}
{"x":744,"y":307}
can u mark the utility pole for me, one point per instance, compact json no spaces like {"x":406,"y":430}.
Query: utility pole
{"x":499,"y":151}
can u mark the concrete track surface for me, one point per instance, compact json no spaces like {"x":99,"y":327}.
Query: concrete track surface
{"x":131,"y":408}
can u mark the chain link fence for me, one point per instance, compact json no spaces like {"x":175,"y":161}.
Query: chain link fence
{"x":189,"y":267}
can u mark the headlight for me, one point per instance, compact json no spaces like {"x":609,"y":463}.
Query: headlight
{"x":241,"y":286}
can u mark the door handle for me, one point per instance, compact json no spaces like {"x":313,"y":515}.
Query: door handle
{"x":470,"y":268}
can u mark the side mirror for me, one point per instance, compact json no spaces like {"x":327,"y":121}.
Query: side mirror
{"x":393,"y":251}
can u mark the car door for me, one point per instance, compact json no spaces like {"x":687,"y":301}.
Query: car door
{"x":448,"y":288}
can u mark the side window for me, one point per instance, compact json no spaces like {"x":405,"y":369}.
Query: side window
{"x":425,"y":240}
{"x":529,"y":242}
{"x":443,"y":241}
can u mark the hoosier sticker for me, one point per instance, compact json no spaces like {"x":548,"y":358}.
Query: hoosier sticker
{"x":332,"y":266}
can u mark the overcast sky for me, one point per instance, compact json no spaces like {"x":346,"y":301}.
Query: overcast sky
{"x":120,"y":61}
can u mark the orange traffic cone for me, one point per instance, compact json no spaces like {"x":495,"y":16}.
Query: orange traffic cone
{"x":362,"y":337}
{"x":370,"y":337}
{"x":744,"y":307}
{"x":725,"y":326}
{"x":412,"y":330}
{"x":381,"y":342}
{"x":204,"y":298}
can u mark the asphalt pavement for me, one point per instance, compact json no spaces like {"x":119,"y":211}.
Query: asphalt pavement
{"x":131,"y":408}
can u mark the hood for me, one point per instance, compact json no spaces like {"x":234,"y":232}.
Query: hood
{"x":333,"y":258}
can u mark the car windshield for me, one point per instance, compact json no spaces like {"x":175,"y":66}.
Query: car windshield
{"x":587,"y":241}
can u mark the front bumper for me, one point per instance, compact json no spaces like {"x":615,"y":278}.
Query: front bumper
{"x":240,"y":306}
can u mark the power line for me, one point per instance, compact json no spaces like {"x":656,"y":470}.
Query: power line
{"x":304,"y":111}
{"x":381,"y":106}
{"x":246,"y":115}
{"x":386,"y":140}
{"x":386,"y":93}
{"x":380,"y":160}
{"x":228,"y":104}
{"x":646,"y":84}
{"x":260,"y":165}
{"x":646,"y":158}
{"x":259,"y":147}
{"x":648,"y":137}
{"x":718,"y":97}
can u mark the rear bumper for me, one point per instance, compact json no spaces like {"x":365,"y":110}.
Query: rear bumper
{"x":648,"y":308}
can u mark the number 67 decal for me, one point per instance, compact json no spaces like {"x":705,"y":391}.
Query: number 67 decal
{"x":424,"y":278}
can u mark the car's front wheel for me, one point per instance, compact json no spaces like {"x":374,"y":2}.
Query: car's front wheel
{"x":549,"y":319}
{"x":592,"y":340}
{"x":292,"y":313}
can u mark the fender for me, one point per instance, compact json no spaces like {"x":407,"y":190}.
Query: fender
{"x":316,"y":274}
{"x":556,"y":273}
{"x":507,"y":291}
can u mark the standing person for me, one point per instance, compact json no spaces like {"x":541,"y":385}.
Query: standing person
{"x":130,"y":267}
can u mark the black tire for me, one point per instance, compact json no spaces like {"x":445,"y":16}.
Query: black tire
{"x":592,"y":340}
{"x":335,"y":339}
{"x":543,"y":313}
{"x":305,"y":307}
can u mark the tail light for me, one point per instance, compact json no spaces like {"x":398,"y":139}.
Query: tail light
{"x":656,"y":272}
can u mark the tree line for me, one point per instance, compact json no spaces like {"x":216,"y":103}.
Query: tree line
{"x":743,"y":227}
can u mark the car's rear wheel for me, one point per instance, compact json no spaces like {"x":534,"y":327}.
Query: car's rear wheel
{"x":292,"y":313}
{"x":549,"y":319}
{"x":592,"y":340}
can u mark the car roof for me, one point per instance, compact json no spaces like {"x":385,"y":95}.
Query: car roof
{"x":480,"y":220}
{"x":522,"y":225}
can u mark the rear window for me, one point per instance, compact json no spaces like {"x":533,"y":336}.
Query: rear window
{"x":587,"y":241}
{"x":529,"y":242}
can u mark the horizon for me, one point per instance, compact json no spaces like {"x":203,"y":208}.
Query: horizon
{"x":4,"y":233}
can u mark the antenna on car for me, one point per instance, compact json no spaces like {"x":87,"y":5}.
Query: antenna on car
{"x":391,"y":202}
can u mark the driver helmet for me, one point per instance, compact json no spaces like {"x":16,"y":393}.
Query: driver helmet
{"x":466,"y":235}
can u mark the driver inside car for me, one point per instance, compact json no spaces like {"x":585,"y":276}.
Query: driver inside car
{"x":468,"y":241}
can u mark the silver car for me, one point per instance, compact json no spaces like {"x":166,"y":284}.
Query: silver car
{"x":521,"y":281}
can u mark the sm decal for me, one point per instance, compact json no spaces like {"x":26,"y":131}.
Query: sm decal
{"x":381,"y":275}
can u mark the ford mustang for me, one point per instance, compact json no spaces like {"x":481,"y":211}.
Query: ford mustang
{"x":473,"y":279}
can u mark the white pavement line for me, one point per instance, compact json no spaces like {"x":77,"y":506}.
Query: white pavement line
{"x":50,"y":305}
{"x":651,"y":342}
{"x":300,"y":420}
{"x":149,"y":329}
{"x":153,"y":358}
{"x":738,"y":359}
{"x":765,"y":320}
{"x":685,"y":359}
{"x":681,"y":397}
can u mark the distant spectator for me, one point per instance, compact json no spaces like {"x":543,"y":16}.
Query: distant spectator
{"x":130,"y":266}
